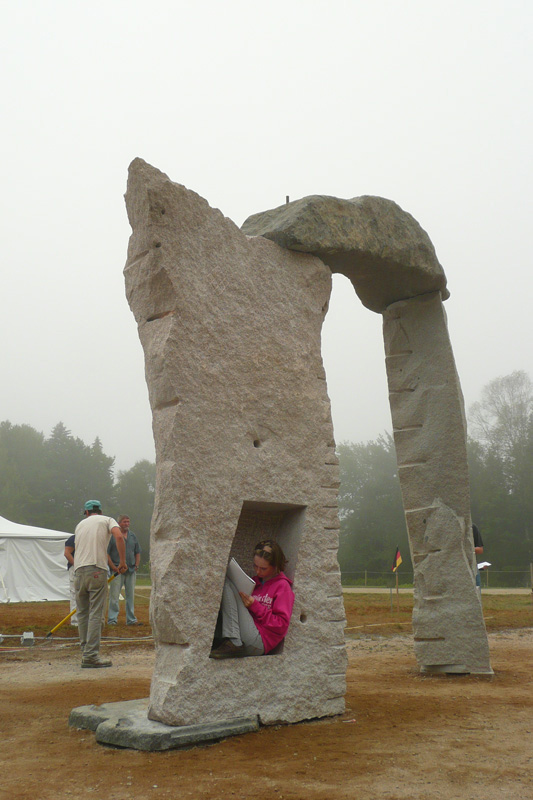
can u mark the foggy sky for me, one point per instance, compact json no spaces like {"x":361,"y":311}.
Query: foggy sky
{"x":427,"y":104}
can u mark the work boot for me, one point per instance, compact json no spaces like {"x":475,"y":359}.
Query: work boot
{"x":96,"y":663}
{"x":228,"y":650}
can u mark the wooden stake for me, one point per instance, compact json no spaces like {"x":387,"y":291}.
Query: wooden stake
{"x":397,"y":594}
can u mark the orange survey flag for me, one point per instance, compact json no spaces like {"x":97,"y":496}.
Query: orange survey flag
{"x":397,"y":560}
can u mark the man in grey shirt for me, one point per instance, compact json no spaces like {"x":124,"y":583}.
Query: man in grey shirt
{"x":127,"y":579}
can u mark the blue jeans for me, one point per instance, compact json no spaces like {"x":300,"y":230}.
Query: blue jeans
{"x":126,"y":580}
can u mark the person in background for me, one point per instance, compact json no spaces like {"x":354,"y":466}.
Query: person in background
{"x":69,"y":555}
{"x":92,"y":537}
{"x":478,"y":550}
{"x":126,"y":579}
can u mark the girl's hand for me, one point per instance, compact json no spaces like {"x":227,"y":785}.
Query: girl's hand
{"x":246,"y":599}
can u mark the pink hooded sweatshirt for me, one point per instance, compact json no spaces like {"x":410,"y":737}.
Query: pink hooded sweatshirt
{"x":272,"y":609}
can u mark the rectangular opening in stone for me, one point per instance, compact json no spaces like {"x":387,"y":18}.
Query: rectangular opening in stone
{"x":260,"y":520}
{"x":282,"y":522}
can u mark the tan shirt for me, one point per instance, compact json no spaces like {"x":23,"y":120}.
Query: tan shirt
{"x":92,"y":537}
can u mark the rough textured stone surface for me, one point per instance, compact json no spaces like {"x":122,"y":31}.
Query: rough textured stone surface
{"x":126,"y":724}
{"x":430,"y":436}
{"x":378,"y":246}
{"x":231,"y":329}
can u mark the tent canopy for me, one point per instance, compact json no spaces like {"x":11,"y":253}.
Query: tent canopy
{"x":32,"y":563}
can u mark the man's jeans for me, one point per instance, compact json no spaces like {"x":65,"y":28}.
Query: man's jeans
{"x":126,"y":580}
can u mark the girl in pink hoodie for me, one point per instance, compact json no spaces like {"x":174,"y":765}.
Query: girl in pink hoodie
{"x":254,"y":624}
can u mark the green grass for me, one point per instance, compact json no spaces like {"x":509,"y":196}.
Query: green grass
{"x":371,"y":613}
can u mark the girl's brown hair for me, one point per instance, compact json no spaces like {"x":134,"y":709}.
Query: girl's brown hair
{"x":272,"y":553}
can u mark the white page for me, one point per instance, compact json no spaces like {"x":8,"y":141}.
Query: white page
{"x":237,"y":576}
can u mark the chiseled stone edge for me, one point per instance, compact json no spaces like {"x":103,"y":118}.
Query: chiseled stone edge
{"x":126,"y":724}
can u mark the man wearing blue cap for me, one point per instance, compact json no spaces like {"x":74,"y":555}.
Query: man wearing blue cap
{"x":92,"y":536}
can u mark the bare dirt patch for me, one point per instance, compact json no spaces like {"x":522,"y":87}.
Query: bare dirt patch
{"x":402,"y":736}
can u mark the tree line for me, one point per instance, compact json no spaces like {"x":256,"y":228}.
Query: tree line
{"x":500,"y":456}
{"x":46,"y":481}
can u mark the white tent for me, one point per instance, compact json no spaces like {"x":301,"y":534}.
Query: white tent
{"x":32,"y":563}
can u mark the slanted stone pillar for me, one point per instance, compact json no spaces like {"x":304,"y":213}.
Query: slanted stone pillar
{"x":430,"y":437}
{"x":230,"y":327}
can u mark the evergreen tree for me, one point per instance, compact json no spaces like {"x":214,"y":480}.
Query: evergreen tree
{"x":135,"y":492}
{"x":501,"y":470}
{"x":75,"y":472}
{"x":370,"y":507}
{"x":45,"y":482}
{"x":22,"y":487}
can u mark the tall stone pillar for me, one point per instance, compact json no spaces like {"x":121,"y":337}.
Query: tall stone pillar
{"x":230,"y":327}
{"x":430,"y":437}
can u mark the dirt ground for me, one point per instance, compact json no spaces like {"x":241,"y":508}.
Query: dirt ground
{"x":402,"y":736}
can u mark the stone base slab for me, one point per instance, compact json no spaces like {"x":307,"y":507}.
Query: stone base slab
{"x":126,"y":724}
{"x":454,"y":669}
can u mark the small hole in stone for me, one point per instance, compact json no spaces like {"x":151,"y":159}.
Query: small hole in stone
{"x":303,"y":617}
{"x":158,"y":244}
{"x":162,"y":210}
{"x":257,"y":443}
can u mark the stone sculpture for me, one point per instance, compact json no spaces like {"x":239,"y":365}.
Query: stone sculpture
{"x":230,"y":322}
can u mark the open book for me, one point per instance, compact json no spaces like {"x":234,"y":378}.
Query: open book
{"x":484,"y":565}
{"x":237,"y":576}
